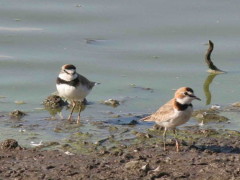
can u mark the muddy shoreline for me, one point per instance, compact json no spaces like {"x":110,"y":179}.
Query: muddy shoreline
{"x":205,"y":154}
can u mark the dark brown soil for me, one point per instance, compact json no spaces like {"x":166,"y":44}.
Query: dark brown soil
{"x":207,"y":158}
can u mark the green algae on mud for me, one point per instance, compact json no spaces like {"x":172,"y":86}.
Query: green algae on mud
{"x":117,"y":130}
{"x":83,"y":142}
{"x":67,"y":127}
{"x":78,"y":143}
{"x":209,"y":115}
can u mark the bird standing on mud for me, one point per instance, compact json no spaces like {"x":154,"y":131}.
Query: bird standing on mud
{"x":175,"y":112}
{"x":73,"y":86}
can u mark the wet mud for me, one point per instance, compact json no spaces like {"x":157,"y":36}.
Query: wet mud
{"x":204,"y":154}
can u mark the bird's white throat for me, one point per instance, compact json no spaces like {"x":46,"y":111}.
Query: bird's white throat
{"x":185,"y":100}
{"x":67,"y":77}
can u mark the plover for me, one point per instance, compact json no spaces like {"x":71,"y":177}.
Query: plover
{"x":175,"y":112}
{"x":73,"y":86}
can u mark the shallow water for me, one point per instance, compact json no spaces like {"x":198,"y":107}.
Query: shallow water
{"x":150,"y":44}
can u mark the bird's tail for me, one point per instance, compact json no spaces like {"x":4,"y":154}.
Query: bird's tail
{"x":96,"y":83}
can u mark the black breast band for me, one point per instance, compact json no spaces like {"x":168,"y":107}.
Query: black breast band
{"x":182,"y":107}
{"x":73,"y":82}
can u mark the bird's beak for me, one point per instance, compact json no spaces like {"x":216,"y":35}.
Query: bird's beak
{"x":195,"y":97}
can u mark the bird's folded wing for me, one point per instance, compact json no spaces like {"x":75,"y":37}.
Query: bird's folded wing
{"x":164,"y":113}
{"x":85,"y":82}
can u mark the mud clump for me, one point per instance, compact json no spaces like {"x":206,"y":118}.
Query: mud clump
{"x":9,"y":144}
{"x":111,"y":102}
{"x":236,"y":104}
{"x":17,"y":114}
{"x":53,"y":102}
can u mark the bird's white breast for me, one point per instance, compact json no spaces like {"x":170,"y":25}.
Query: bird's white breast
{"x":72,"y":93}
{"x":177,"y":118}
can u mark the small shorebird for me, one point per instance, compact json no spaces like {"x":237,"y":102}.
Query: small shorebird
{"x":73,"y":86}
{"x":212,"y":68}
{"x":175,"y":112}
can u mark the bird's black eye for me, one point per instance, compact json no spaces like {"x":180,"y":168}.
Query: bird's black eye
{"x":65,"y":71}
{"x":186,"y":93}
{"x":189,"y":89}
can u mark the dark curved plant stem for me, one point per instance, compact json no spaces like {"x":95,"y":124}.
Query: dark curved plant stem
{"x":208,"y":58}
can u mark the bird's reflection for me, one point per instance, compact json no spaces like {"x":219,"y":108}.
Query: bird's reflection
{"x":206,"y":87}
{"x":55,"y":104}
{"x":54,"y":112}
{"x":58,"y":111}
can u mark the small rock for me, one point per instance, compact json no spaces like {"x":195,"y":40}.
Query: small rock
{"x":133,"y":122}
{"x":168,"y":160}
{"x":111,"y":102}
{"x":90,"y":41}
{"x":157,"y":169}
{"x":22,"y":130}
{"x":9,"y":144}
{"x":19,"y":102}
{"x":132,"y":165}
{"x":50,"y":167}
{"x":215,"y":107}
{"x":68,"y":153}
{"x":17,"y":114}
{"x":36,"y":144}
{"x":236,"y":104}
{"x":101,"y":141}
{"x":145,"y":167}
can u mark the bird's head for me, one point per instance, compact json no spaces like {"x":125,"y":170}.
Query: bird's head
{"x":185,"y":95}
{"x":68,"y":69}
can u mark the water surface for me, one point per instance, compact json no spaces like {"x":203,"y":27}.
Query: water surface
{"x":149,"y":44}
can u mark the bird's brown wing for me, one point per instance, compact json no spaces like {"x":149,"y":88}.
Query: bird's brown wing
{"x":162,"y":114}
